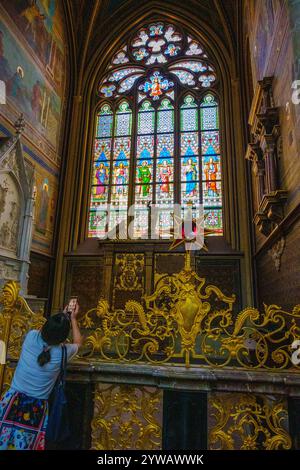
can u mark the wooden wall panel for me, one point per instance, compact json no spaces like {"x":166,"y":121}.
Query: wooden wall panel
{"x":281,"y":287}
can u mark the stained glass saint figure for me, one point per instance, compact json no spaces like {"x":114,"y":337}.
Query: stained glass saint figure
{"x":144,"y":176}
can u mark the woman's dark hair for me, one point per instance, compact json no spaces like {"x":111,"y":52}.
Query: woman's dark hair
{"x":54,"y":331}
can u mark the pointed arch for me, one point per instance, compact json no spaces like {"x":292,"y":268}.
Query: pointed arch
{"x":159,"y":73}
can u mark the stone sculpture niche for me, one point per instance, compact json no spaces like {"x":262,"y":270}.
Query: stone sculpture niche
{"x":16,"y":209}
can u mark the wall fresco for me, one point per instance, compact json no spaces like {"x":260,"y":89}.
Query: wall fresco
{"x":32,"y":65}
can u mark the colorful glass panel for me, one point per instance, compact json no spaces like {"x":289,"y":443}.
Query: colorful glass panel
{"x":99,"y":195}
{"x":172,"y":50}
{"x":101,"y":177}
{"x":209,"y":118}
{"x":189,"y":170}
{"x":143,"y":192}
{"x":165,"y":119}
{"x":194,"y":48}
{"x":141,"y":220}
{"x":155,"y":180}
{"x":141,"y":38}
{"x":171,"y":35}
{"x":189,"y":115}
{"x":185,"y":77}
{"x":120,"y":74}
{"x":192,"y":65}
{"x":165,"y":146}
{"x":189,"y":144}
{"x":141,"y":53}
{"x":102,"y":148}
{"x":156,"y":85}
{"x":119,"y":195}
{"x":145,"y":147}
{"x":117,"y":217}
{"x":122,"y":148}
{"x":210,"y":143}
{"x":121,"y":57}
{"x":144,"y":171}
{"x":164,"y":193}
{"x":165,"y":222}
{"x":190,"y":193}
{"x":164,"y":171}
{"x":104,"y":122}
{"x":108,"y":90}
{"x":128,"y":83}
{"x":123,"y":120}
{"x":146,"y":119}
{"x":206,"y":80}
{"x":213,"y":220}
{"x":211,"y":168}
{"x":97,"y":223}
{"x":212,"y":196}
{"x":120,"y":172}
{"x":159,"y":58}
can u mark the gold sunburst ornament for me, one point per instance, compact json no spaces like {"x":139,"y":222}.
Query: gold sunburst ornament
{"x":179,"y":229}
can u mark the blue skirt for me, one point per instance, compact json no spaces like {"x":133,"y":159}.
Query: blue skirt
{"x":23,"y":422}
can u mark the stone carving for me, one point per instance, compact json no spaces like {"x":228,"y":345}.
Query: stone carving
{"x":276,"y":252}
{"x":264,"y":153}
{"x":10,"y":213}
{"x":16,"y":209}
{"x":3,"y":194}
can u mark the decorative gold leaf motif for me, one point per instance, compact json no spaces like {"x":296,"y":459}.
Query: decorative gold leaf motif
{"x":248,"y":422}
{"x":16,"y":319}
{"x":177,"y":324}
{"x":126,"y":417}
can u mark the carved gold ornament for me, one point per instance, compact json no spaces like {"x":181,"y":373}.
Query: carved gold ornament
{"x":178,"y":324}
{"x":248,"y":422}
{"x":126,"y":417}
{"x":16,"y":319}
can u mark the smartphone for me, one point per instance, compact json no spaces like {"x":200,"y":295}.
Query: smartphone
{"x":72,"y":304}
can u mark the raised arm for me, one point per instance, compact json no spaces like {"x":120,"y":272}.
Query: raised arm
{"x":77,"y":337}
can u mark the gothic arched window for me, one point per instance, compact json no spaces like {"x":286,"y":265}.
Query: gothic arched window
{"x":157,"y":134}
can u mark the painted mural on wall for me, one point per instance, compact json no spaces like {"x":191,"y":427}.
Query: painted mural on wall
{"x":27,"y":88}
{"x":40,"y":23}
{"x":45,"y":190}
{"x":32,"y":64}
{"x":295,"y":27}
{"x":263,"y":36}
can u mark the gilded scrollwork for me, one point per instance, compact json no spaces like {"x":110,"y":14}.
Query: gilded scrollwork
{"x":16,"y":319}
{"x":129,"y":269}
{"x":126,"y":417}
{"x":248,"y":422}
{"x":177,"y":323}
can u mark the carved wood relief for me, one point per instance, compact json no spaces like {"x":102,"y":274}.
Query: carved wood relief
{"x":263,"y":151}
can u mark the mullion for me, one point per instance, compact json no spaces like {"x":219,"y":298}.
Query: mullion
{"x":154,"y":157}
{"x":200,"y":156}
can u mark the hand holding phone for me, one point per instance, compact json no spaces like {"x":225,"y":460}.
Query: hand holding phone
{"x":72,"y":305}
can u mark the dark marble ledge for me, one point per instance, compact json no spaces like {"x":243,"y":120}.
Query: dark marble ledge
{"x":179,"y":377}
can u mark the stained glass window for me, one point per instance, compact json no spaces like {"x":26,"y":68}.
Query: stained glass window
{"x":157,"y":136}
{"x":211,"y":163}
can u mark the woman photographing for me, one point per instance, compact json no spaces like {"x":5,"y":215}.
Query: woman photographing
{"x":24,"y":407}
